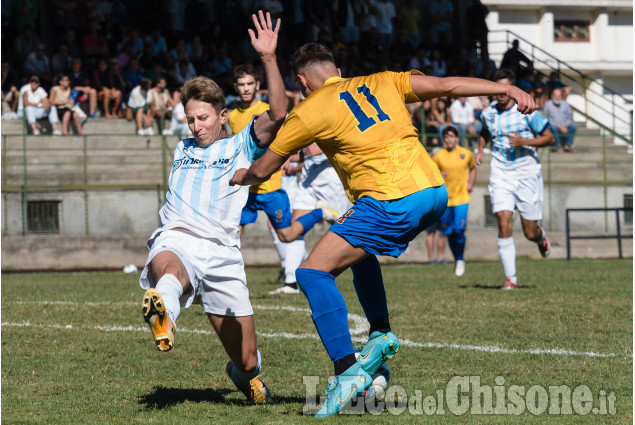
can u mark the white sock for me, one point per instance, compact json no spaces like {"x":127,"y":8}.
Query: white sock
{"x":171,"y":290}
{"x":296,"y":253}
{"x":542,"y":236}
{"x":507,"y":254}
{"x":281,"y":247}
{"x":240,"y":377}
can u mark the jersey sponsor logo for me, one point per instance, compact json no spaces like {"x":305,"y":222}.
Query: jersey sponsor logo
{"x":345,"y":216}
{"x":190,"y":163}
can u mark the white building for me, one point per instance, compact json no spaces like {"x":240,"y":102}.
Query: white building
{"x":594,"y":37}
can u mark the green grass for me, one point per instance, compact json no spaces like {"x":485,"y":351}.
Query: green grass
{"x":71,"y":365}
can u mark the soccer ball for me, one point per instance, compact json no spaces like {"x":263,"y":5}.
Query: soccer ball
{"x":381,"y":378}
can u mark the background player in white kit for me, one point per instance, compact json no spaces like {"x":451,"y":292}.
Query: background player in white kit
{"x":195,"y":255}
{"x":515,"y":177}
{"x":319,"y":187}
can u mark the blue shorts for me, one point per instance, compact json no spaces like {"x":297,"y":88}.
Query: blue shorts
{"x":454,"y":219}
{"x":386,"y":227}
{"x":275,"y":204}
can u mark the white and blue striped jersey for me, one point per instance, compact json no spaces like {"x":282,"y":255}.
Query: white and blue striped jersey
{"x":199,"y":196}
{"x":521,"y":160}
{"x":317,"y":170}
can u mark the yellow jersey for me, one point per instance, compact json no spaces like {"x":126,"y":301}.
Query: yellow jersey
{"x":457,"y":164}
{"x":363,"y":127}
{"x":238,"y":119}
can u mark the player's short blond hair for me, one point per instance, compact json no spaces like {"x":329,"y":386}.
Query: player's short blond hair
{"x":203,"y":89}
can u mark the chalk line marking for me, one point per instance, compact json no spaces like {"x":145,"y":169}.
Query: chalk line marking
{"x":360,"y":326}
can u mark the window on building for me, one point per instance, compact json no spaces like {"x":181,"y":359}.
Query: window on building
{"x":43,"y":216}
{"x":628,"y":209}
{"x":490,"y":218}
{"x":575,"y":31}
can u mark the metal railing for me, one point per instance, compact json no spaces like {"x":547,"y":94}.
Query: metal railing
{"x":595,"y":94}
{"x":618,"y":233}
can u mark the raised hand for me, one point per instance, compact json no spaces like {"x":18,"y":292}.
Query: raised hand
{"x":266,"y":39}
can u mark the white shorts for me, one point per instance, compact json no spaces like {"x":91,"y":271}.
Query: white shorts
{"x":290,"y":185}
{"x":526,"y":194}
{"x":216,"y":272}
{"x":331,"y":193}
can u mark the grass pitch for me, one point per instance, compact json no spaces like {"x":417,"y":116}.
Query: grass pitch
{"x":75,"y":349}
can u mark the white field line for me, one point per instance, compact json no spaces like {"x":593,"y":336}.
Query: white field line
{"x":360,"y":326}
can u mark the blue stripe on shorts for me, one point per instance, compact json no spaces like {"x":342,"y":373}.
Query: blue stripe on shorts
{"x":386,"y":227}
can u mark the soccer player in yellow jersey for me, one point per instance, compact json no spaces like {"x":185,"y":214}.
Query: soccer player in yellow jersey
{"x":459,"y":171}
{"x":364,"y":128}
{"x":267,"y":196}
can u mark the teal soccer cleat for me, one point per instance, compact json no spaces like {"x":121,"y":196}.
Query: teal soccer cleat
{"x":380,"y":347}
{"x":343,"y":388}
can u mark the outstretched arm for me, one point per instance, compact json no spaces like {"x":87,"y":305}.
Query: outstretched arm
{"x":260,"y":171}
{"x":265,"y":42}
{"x":426,"y":87}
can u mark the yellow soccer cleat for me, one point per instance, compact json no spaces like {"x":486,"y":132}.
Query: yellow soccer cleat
{"x":156,"y":316}
{"x":255,"y":390}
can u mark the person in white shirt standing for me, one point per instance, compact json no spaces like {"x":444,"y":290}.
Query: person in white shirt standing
{"x":35,"y":104}
{"x":195,"y":254}
{"x":462,"y":113}
{"x":139,"y":101}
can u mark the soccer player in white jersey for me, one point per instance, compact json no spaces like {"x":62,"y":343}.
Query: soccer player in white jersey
{"x":195,"y":254}
{"x":319,"y":187}
{"x":515,"y":177}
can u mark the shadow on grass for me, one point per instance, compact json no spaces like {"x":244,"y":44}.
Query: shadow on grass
{"x":162,"y":397}
{"x":497,"y":287}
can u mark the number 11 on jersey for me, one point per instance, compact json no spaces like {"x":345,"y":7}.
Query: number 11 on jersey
{"x":364,"y":120}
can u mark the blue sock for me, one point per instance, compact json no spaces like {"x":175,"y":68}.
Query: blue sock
{"x":457,"y":245}
{"x":308,"y":221}
{"x":328,"y":311}
{"x":369,"y":286}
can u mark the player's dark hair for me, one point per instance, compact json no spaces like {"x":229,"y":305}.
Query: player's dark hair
{"x":450,"y":129}
{"x":309,"y":54}
{"x":203,"y":89}
{"x":505,"y":73}
{"x":245,"y":69}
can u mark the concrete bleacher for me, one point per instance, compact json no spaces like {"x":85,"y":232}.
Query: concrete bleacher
{"x":117,"y":156}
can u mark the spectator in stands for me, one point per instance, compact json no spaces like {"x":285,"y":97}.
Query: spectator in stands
{"x":555,"y":83}
{"x":372,"y":52}
{"x":409,"y":17}
{"x":319,"y":13}
{"x":386,"y":15}
{"x":442,"y":114}
{"x":70,"y":40}
{"x":516,"y":61}
{"x":108,"y":82}
{"x":180,"y":51}
{"x":274,"y":7}
{"x":439,"y":67}
{"x":124,"y":58}
{"x":79,"y":82}
{"x":178,"y":122}
{"x":10,"y":92}
{"x":345,"y":13}
{"x":25,"y":43}
{"x":560,"y":117}
{"x":460,"y":64}
{"x":540,"y":90}
{"x":463,"y":120}
{"x":133,"y":75}
{"x":148,"y":55}
{"x":161,"y":103}
{"x":36,"y":105}
{"x":159,"y":45}
{"x":401,"y":51}
{"x":222,"y":64}
{"x":477,"y":30}
{"x":37,"y":63}
{"x":136,"y":40}
{"x":420,"y":59}
{"x":479,"y":103}
{"x":199,"y":54}
{"x":183,"y":71}
{"x":441,"y":12}
{"x":61,"y":62}
{"x":139,"y":103}
{"x":94,"y":44}
{"x":61,"y":98}
{"x":367,"y":19}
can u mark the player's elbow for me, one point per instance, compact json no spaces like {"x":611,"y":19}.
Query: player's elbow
{"x":260,"y":175}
